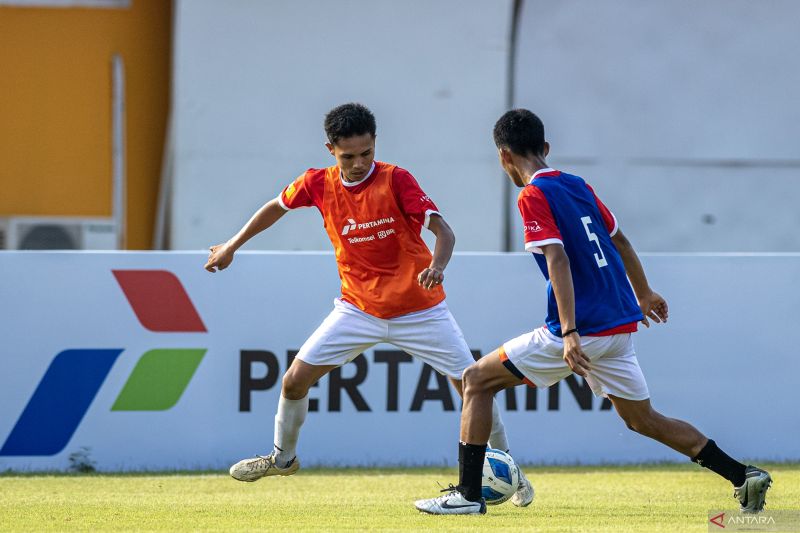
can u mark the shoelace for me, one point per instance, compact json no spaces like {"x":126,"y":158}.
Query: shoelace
{"x":263,"y":461}
{"x":450,"y":488}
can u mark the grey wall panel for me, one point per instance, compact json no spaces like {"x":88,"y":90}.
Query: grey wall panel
{"x":694,"y":208}
{"x":253,"y":80}
{"x":675,"y":110}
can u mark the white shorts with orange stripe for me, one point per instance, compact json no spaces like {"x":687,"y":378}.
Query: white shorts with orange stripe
{"x":539,"y":357}
{"x":431,"y":335}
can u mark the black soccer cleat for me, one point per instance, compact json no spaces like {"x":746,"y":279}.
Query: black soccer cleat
{"x":752,"y":495}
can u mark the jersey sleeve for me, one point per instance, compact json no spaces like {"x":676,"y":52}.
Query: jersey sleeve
{"x":302,"y":192}
{"x":538,"y":223}
{"x":411,"y":198}
{"x":608,"y":217}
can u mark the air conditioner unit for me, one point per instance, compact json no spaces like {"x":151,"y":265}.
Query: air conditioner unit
{"x":57,"y":233}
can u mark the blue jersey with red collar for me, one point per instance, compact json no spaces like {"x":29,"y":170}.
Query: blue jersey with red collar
{"x":561,"y":208}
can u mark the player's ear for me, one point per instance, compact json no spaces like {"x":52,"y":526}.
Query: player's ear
{"x":329,"y":146}
{"x":546,"y":148}
{"x":505,"y":156}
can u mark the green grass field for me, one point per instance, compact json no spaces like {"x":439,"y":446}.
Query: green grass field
{"x":630,"y":498}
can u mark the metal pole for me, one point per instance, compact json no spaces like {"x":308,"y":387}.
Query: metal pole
{"x":507,"y":212}
{"x":118,"y":188}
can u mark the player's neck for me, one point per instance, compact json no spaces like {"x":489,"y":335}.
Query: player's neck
{"x":528,"y":167}
{"x":353,"y":182}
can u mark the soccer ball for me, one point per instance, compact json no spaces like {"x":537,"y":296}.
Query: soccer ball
{"x":500,"y":477}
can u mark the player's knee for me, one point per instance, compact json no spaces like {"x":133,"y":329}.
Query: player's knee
{"x":469,"y":376}
{"x":293,"y":388}
{"x":634,"y":424}
{"x":641,"y":423}
{"x":473,"y":380}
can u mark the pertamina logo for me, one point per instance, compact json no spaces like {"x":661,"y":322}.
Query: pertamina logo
{"x":71,"y":382}
{"x":381,"y":234}
{"x":351,"y":225}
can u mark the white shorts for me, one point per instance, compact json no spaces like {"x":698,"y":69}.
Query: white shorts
{"x":539,"y":356}
{"x":431,"y":335}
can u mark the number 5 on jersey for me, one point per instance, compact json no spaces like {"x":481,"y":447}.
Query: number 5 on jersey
{"x":601,"y":260}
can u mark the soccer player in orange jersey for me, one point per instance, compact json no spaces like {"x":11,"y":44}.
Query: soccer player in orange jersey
{"x":391,"y":284}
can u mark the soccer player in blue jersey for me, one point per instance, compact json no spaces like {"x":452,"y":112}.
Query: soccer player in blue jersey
{"x":592,"y":313}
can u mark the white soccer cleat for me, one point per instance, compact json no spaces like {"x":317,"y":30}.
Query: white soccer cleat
{"x":524,"y":494}
{"x":451,"y":503}
{"x":260,"y":466}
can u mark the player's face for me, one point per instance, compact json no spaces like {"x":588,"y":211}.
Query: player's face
{"x":354,"y":155}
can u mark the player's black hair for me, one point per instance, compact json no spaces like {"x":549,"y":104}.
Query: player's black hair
{"x":520,"y":131}
{"x":348,"y":120}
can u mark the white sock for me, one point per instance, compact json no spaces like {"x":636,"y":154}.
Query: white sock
{"x":498,"y":439}
{"x":288,"y":421}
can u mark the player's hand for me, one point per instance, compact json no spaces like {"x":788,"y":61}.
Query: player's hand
{"x":430,"y":278}
{"x":654,"y":307}
{"x":220,"y":257}
{"x":573,"y":355}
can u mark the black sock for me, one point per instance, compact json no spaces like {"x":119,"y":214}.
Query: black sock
{"x":470,"y":470}
{"x":716,"y":460}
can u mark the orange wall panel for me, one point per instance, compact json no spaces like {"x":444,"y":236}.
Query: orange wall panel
{"x":55,"y":110}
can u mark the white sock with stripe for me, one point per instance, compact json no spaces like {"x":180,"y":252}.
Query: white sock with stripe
{"x":288,"y":421}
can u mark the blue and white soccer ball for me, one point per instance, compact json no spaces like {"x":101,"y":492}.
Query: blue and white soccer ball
{"x":500,"y":477}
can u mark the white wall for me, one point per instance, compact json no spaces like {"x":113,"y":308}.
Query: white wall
{"x":684,"y":115}
{"x":722,"y":362}
{"x":252,"y":81}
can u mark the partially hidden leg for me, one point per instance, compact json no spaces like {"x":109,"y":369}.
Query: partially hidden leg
{"x":497,"y":437}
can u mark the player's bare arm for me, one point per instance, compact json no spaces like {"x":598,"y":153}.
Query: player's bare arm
{"x":653,"y":306}
{"x":220,"y":256}
{"x":561,"y":280}
{"x":442,"y":252}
